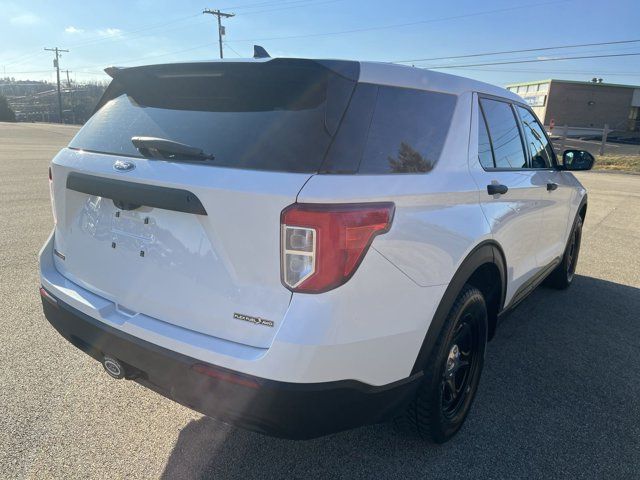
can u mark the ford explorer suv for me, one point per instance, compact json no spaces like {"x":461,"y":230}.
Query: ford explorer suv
{"x":300,"y":247}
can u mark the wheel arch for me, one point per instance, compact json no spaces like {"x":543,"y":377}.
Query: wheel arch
{"x":482,"y":267}
{"x":582,"y":208}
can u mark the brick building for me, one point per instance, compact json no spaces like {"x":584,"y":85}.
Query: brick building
{"x":583,"y":104}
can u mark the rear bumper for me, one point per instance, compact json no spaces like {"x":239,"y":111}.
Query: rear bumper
{"x":282,"y":409}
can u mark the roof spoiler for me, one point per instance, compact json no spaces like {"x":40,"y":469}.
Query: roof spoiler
{"x":112,"y":71}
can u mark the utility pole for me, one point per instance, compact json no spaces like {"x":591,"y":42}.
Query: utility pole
{"x":68,"y":81}
{"x":219,"y":14}
{"x":56,"y":63}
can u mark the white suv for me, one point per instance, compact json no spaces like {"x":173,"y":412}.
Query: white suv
{"x":304,"y":246}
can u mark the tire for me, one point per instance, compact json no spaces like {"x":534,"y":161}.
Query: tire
{"x":437,"y":413}
{"x":563,"y":274}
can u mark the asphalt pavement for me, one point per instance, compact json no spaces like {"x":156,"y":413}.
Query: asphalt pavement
{"x":559,"y":396}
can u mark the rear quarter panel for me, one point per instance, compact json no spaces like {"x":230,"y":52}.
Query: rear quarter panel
{"x":437,"y":223}
{"x":438,"y":219}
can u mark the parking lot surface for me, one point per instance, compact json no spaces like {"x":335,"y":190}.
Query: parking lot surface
{"x":559,"y":396}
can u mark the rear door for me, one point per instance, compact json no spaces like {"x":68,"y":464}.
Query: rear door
{"x":556,"y":199}
{"x":502,"y":165}
{"x":192,"y":240}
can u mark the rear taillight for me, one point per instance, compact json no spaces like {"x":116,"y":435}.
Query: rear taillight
{"x":323,"y":244}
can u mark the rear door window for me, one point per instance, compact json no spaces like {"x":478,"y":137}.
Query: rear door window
{"x":505,"y":134}
{"x":407,"y":130}
{"x":537,"y":142}
{"x":485,"y":153}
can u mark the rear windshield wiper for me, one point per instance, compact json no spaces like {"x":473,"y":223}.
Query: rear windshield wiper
{"x":154,"y":147}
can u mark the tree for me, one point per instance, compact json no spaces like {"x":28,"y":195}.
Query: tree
{"x":409,"y":161}
{"x":6,"y":112}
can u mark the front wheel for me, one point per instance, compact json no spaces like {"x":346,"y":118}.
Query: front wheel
{"x":453,"y":372}
{"x":563,"y":274}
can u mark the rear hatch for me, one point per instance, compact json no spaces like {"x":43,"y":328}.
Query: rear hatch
{"x":193,"y":239}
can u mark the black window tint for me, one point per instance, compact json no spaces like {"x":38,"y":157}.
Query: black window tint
{"x":485,"y":155}
{"x":278,"y":115}
{"x":537,"y":142}
{"x":505,"y":134}
{"x":348,"y":145}
{"x":408,"y":130}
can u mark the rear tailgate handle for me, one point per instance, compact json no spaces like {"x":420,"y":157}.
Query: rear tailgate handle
{"x":496,"y":189}
{"x":132,"y":194}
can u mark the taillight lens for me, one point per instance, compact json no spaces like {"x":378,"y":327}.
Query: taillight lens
{"x":323,"y":244}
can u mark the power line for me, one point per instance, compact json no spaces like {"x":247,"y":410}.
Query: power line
{"x":132,"y":60}
{"x":31,"y":71}
{"x":517,"y":51}
{"x":600,"y":51}
{"x":290,"y":7}
{"x":546,"y":71}
{"x":221,"y":30}
{"x":119,"y":35}
{"x":407,"y":24}
{"x":263,"y":4}
{"x":533,"y":61}
{"x":232,"y":49}
{"x":113,"y":37}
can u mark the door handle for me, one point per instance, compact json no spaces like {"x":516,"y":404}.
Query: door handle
{"x":496,"y":189}
{"x":551,"y":186}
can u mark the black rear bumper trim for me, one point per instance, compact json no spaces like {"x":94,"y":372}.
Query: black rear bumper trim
{"x":134,"y":193}
{"x":281,"y":409}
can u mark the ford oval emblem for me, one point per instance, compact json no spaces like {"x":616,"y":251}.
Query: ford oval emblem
{"x":124,"y":166}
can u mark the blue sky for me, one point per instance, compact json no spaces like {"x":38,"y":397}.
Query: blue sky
{"x":103,"y":33}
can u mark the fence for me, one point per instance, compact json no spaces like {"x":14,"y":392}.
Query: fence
{"x":565,"y":131}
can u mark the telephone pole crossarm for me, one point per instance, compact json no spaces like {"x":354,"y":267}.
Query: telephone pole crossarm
{"x":219,"y":14}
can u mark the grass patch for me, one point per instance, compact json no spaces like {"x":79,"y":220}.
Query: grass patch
{"x":620,"y":163}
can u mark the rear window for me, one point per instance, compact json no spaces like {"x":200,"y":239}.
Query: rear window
{"x":391,"y":130}
{"x":407,"y":131}
{"x":267,"y":116}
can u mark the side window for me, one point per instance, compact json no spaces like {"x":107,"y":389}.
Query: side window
{"x":408,"y":130}
{"x":537,"y":142}
{"x":485,"y":154}
{"x":505,"y":134}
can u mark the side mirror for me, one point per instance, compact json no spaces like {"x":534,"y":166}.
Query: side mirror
{"x":577,"y":160}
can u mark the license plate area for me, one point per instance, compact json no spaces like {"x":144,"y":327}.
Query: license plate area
{"x":134,"y":231}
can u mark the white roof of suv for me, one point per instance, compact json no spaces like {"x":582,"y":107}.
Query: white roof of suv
{"x":422,"y":79}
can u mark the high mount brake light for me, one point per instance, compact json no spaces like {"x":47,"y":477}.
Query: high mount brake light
{"x":323,"y":244}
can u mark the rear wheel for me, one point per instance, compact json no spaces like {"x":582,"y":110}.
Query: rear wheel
{"x":453,"y":372}
{"x":563,"y":274}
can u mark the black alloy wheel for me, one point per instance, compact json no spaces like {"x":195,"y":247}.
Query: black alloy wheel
{"x":452,"y":373}
{"x":460,"y":366}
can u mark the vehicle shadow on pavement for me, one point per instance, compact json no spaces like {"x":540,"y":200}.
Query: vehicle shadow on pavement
{"x":559,"y":397}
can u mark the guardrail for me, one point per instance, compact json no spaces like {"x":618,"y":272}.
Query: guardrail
{"x":565,"y":131}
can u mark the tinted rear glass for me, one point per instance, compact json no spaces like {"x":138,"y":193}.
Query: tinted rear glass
{"x":485,"y":153}
{"x":266,"y":116}
{"x":505,"y":134}
{"x":539,"y":145}
{"x":391,"y":130}
{"x":407,"y":131}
